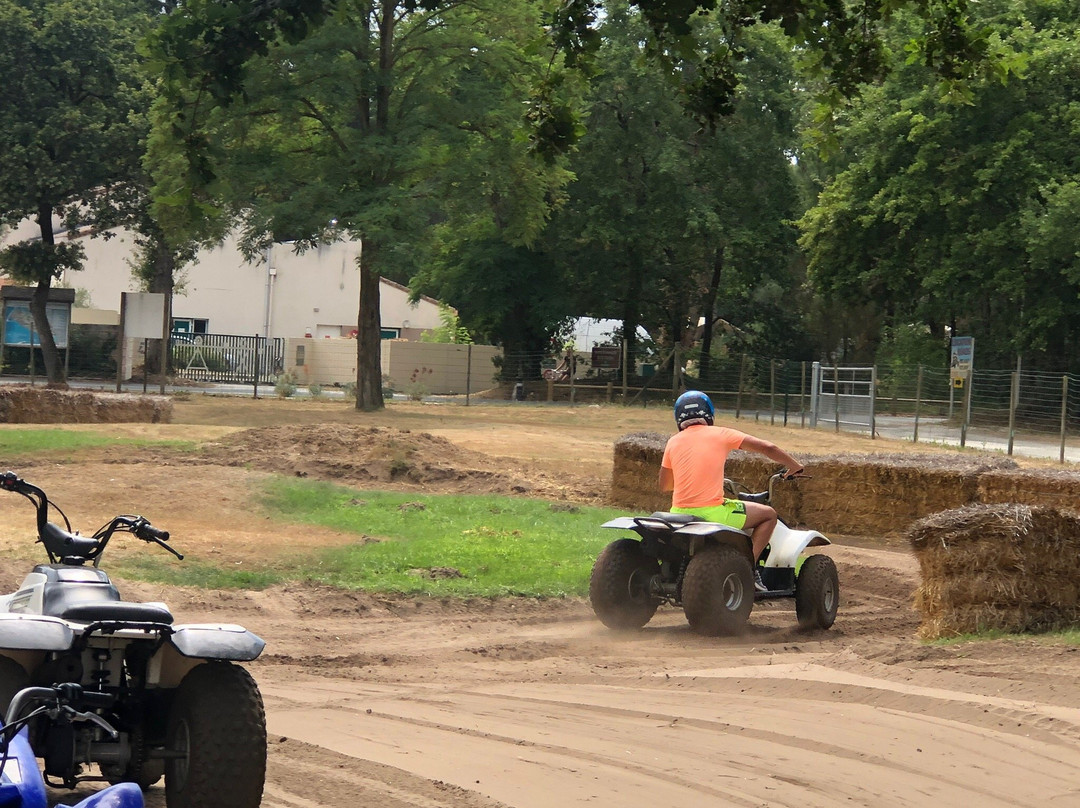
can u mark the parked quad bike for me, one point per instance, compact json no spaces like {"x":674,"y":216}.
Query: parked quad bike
{"x":707,"y":569}
{"x":21,"y":783}
{"x":180,"y":704}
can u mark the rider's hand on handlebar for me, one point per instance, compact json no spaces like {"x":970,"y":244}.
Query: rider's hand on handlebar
{"x":792,"y":473}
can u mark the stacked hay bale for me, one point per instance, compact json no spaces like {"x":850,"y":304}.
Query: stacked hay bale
{"x":884,"y":493}
{"x":635,"y":470}
{"x":1006,"y":566}
{"x":1055,"y":487}
{"x":38,"y":405}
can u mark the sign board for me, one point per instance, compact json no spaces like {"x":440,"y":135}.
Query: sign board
{"x":19,"y":328}
{"x":606,"y":357}
{"x":962,"y":357}
{"x":143,"y":315}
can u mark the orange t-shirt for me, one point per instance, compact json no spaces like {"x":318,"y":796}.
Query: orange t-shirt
{"x":696,"y":458}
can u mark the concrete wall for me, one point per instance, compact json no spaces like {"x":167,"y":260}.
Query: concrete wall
{"x":410,"y":367}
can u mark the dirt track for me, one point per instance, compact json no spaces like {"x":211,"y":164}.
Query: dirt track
{"x":429,"y":703}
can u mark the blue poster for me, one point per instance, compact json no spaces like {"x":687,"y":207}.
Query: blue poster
{"x":19,"y":323}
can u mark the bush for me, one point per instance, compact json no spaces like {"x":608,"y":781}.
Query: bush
{"x":314,"y":390}
{"x":285,"y":386}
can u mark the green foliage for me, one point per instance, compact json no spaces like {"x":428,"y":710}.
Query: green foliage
{"x":959,"y":215}
{"x":843,"y":45}
{"x":451,"y":330}
{"x":315,"y":390}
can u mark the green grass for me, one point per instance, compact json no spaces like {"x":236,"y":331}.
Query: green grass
{"x":20,"y":442}
{"x":466,"y":546}
{"x":498,"y":545}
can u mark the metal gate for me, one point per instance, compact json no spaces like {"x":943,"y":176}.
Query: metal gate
{"x":226,"y":358}
{"x":843,"y":397}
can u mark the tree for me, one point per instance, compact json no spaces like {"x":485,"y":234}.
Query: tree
{"x":952,"y":215}
{"x":670,"y":222}
{"x":359,"y":129}
{"x":72,"y":104}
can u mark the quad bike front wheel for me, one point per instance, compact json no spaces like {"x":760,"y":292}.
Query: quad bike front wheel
{"x":817,"y":593}
{"x":619,"y":585}
{"x":718,"y":591}
{"x":217,"y":737}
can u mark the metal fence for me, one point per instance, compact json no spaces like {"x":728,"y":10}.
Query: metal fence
{"x":226,"y":358}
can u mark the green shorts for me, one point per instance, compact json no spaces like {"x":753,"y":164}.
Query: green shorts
{"x":732,"y":513}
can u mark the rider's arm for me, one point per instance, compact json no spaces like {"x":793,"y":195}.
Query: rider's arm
{"x":773,"y":452}
{"x":667,"y":479}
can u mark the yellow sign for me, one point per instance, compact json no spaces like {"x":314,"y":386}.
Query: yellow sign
{"x":958,"y":383}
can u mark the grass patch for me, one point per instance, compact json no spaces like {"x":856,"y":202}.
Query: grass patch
{"x":21,"y":442}
{"x":443,"y":544}
{"x":168,"y":570}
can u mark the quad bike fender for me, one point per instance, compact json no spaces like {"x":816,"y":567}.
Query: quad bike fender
{"x":226,"y":642}
{"x":27,"y":632}
{"x":786,"y":545}
{"x":701,"y":534}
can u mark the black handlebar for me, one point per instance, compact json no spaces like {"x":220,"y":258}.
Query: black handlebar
{"x":62,"y":545}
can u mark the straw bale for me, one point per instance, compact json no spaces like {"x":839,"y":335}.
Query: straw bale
{"x":1055,"y":487}
{"x":21,"y":404}
{"x":1005,"y":566}
{"x":974,"y":618}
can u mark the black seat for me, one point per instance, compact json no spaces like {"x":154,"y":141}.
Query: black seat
{"x":120,"y":612}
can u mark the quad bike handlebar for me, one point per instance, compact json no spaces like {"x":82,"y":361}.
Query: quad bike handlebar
{"x":763,"y":497}
{"x":64,"y":545}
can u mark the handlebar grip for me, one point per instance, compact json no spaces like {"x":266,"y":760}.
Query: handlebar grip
{"x":148,"y":532}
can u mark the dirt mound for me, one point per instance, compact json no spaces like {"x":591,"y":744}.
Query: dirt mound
{"x":384,"y":456}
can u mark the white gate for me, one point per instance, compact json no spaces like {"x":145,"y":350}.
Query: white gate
{"x":843,"y":397}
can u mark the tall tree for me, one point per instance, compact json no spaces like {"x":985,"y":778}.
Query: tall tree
{"x":357,"y":130}
{"x":944,"y":214}
{"x":72,"y":112}
{"x":670,"y":222}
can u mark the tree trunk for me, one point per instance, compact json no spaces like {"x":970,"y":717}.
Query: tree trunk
{"x":54,"y":370}
{"x":708,"y":306}
{"x":162,"y":281}
{"x":369,"y":395}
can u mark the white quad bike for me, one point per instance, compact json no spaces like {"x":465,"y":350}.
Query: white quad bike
{"x":707,"y":568}
{"x":156,"y":699}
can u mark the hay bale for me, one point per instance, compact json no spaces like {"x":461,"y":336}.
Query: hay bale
{"x":1054,"y":487}
{"x":633,"y":478}
{"x":1004,"y":566}
{"x":20,"y":404}
{"x":882,"y":494}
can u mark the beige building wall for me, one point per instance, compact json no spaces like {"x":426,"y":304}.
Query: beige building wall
{"x":280,"y":293}
{"x":408,"y":367}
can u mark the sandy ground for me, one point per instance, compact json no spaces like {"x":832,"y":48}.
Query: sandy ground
{"x":475,"y":704}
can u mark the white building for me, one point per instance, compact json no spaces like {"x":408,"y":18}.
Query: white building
{"x":283,"y":294}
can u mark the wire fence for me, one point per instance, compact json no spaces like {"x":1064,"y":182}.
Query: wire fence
{"x":984,"y":408}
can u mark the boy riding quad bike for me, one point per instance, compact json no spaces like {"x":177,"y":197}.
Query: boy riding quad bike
{"x":712,"y":554}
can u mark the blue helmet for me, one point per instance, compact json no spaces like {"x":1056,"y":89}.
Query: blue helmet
{"x":693,"y":406}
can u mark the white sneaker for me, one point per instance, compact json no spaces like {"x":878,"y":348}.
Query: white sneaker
{"x":759,"y":585}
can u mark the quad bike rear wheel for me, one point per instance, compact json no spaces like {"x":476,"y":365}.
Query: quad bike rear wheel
{"x":718,"y":591}
{"x":619,"y":585}
{"x":817,"y":593}
{"x":217,"y":732}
